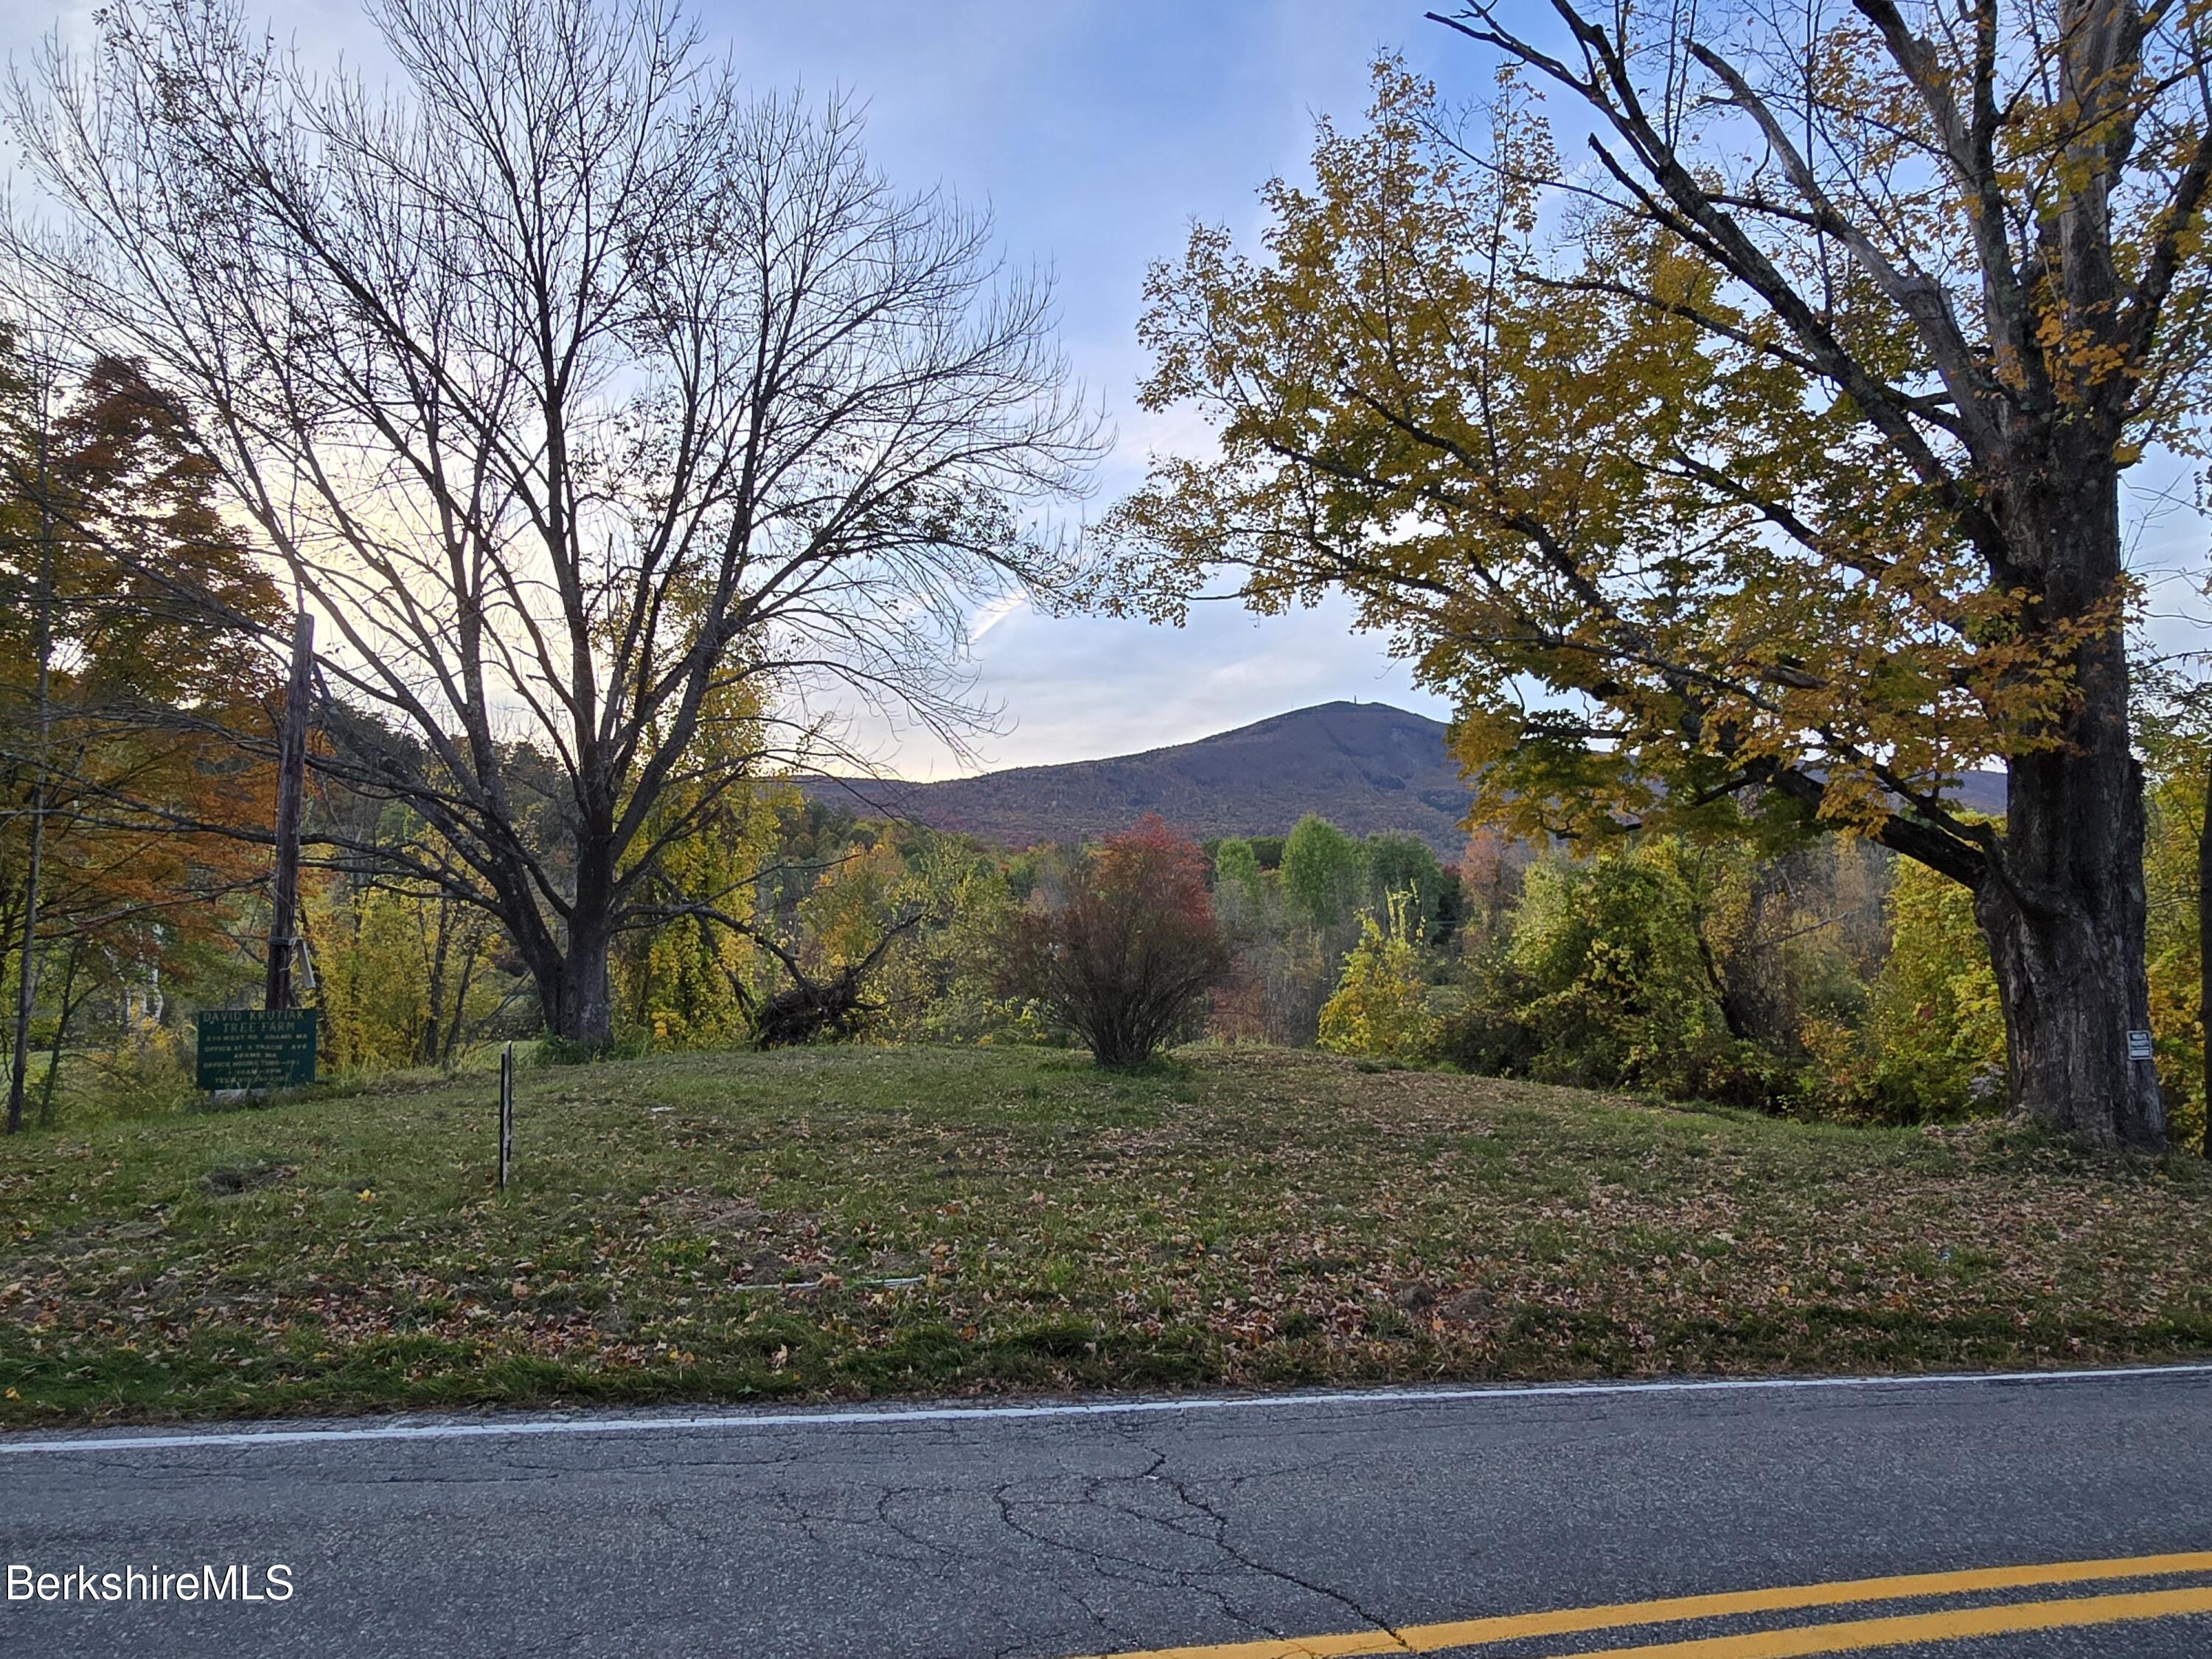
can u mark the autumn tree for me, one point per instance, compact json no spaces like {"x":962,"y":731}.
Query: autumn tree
{"x":1380,"y":1007}
{"x":2174,"y":731}
{"x":580,"y":393}
{"x":131,"y":617}
{"x":1760,"y":470}
{"x":945,"y":900}
{"x":1125,"y":956}
{"x":401,"y":977}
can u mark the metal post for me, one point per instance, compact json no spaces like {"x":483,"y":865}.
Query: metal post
{"x":291,"y":786}
{"x":506,"y":1114}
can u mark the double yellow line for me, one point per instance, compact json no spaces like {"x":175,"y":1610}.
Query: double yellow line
{"x":1850,"y":1635}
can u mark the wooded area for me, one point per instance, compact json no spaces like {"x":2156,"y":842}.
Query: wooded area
{"x":1746,"y":476}
{"x":1760,"y":468}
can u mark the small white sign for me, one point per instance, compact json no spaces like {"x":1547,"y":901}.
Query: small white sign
{"x":2139,"y":1045}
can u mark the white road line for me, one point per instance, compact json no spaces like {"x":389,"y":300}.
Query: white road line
{"x":738,"y":1419}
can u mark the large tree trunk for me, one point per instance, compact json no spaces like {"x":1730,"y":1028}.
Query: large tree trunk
{"x":2070,"y":971}
{"x":577,"y":998}
{"x":571,"y":968}
{"x":2063,"y":905}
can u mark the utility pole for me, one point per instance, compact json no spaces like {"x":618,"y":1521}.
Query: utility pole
{"x":291,"y":789}
{"x":26,"y":982}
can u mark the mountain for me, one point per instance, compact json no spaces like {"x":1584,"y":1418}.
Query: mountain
{"x":1363,"y":766}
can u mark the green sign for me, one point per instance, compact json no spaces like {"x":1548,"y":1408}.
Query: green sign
{"x":250,"y":1049}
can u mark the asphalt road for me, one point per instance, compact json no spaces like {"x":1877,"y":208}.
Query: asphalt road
{"x":1106,"y":1529}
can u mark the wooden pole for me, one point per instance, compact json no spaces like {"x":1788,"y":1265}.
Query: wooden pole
{"x":26,"y":955}
{"x":291,"y":790}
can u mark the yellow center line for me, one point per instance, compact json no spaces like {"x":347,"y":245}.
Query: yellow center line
{"x":1564,"y":1621}
{"x":1906,"y":1629}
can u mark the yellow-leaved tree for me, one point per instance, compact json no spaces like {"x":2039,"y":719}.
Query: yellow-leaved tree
{"x":1760,"y":472}
{"x":1381,"y":1006}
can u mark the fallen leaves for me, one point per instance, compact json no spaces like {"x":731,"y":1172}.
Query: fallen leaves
{"x":1252,"y":1217}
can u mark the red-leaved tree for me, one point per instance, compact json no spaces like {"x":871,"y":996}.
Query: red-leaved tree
{"x":1124,"y":959}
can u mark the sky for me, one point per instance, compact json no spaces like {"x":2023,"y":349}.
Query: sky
{"x":1096,"y":131}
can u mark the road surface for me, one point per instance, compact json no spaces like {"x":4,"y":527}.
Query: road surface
{"x":1998,"y":1517}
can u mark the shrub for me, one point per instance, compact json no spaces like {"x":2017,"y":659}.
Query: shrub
{"x":1380,"y":1009}
{"x":1611,"y":986}
{"x":1125,"y":959}
{"x":1935,"y":1030}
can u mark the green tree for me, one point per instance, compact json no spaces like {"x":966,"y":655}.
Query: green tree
{"x":684,"y":974}
{"x":1403,"y":864}
{"x":939,"y":982}
{"x":2177,"y":744}
{"x":1237,"y":872}
{"x":1776,"y":474}
{"x":1322,"y":872}
{"x":1934,"y":1033}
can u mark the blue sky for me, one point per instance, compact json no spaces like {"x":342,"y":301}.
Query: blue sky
{"x":1096,"y":130}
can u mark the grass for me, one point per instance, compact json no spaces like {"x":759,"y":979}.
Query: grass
{"x":840,"y":1222}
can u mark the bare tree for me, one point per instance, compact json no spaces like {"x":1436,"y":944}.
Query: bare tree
{"x":595,"y":409}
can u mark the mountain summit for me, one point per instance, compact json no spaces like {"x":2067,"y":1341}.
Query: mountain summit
{"x":1363,"y":766}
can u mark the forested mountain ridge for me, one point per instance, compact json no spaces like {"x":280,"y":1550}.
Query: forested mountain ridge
{"x":1366,"y":767}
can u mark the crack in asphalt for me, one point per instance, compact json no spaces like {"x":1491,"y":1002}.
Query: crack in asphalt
{"x":1221,"y":1542}
{"x":1102,"y":1493}
{"x":815,"y":1525}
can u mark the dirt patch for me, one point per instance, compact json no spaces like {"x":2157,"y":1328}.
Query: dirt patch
{"x":228,"y":1180}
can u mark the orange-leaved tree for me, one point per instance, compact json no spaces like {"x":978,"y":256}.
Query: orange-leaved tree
{"x":1125,"y":955}
{"x":130,"y":616}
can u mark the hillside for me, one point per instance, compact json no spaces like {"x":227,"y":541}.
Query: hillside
{"x":1366,"y":767}
{"x":836,"y":1222}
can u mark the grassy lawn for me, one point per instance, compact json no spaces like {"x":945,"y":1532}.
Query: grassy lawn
{"x":851,"y":1222}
